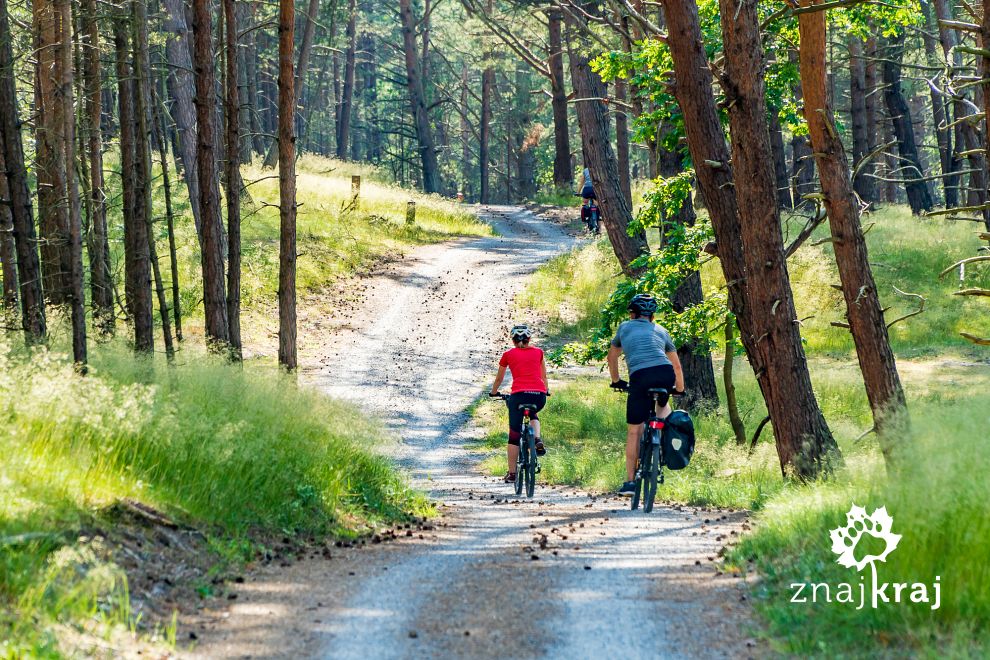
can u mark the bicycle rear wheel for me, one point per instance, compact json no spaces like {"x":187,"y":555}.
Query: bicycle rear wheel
{"x":650,"y":478}
{"x":639,"y":476}
{"x":530,"y":463}
{"x":520,"y":469}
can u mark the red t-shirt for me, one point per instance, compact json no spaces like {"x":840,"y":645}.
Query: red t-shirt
{"x":526,"y":365}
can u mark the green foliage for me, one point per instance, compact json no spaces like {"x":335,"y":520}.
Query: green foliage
{"x":239,"y":452}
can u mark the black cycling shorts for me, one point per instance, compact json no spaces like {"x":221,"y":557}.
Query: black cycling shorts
{"x":639,"y":404}
{"x":538,"y":399}
{"x":588,"y":193}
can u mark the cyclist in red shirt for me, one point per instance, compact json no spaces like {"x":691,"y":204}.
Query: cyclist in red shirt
{"x":529,"y":386}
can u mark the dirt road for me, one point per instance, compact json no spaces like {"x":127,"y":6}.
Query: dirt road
{"x":565,"y":575}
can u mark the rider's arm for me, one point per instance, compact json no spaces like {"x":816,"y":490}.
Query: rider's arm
{"x":678,"y":372}
{"x":543,"y":367}
{"x":613,"y":362}
{"x":499,"y":377}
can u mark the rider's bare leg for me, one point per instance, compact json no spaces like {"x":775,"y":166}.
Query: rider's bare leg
{"x":536,"y":428}
{"x":633,"y":434}
{"x":513,"y":453}
{"x":664,"y":413}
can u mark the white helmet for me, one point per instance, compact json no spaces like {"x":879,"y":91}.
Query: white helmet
{"x":520,"y":333}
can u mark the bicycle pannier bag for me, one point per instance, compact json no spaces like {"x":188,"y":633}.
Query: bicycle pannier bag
{"x":678,"y":440}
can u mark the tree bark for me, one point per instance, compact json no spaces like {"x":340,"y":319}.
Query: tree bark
{"x":173,"y":258}
{"x":526,"y":142}
{"x":622,"y":139}
{"x":918,"y":193}
{"x":182,"y":88}
{"x":748,"y":235}
{"x":417,"y":100}
{"x":25,"y":238}
{"x":940,"y":112}
{"x":232,"y":176}
{"x":287,"y":351}
{"x":137,"y":271}
{"x":563,"y":174}
{"x":802,"y":161}
{"x":984,"y":69}
{"x":863,"y":183}
{"x":599,"y":158}
{"x":780,"y":175}
{"x":863,"y":308}
{"x":347,"y":92}
{"x":8,"y":251}
{"x":101,"y":287}
{"x":51,"y":168}
{"x":484,"y":146}
{"x":211,"y":251}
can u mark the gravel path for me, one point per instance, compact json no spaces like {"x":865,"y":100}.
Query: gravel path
{"x":566,"y":574}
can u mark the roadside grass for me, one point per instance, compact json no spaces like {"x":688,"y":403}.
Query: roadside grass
{"x":938,"y":496}
{"x":241,"y":454}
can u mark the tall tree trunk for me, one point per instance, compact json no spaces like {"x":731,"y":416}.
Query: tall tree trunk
{"x":25,"y":238}
{"x":347,"y":93}
{"x":872,"y":94}
{"x":182,"y":88}
{"x":137,"y":268}
{"x":302,"y":68}
{"x":863,"y":309}
{"x":984,"y":70}
{"x":8,"y":251}
{"x":76,"y":294}
{"x":748,"y":235}
{"x":940,"y":112}
{"x":780,"y":175}
{"x":863,"y":183}
{"x":622,"y":139}
{"x":526,"y":142}
{"x":802,"y":161}
{"x":918,"y":193}
{"x":51,"y":168}
{"x":211,"y":252}
{"x":373,"y":139}
{"x":484,"y":146}
{"x":563,"y":174}
{"x":417,"y":100}
{"x":101,"y":287}
{"x":173,"y":258}
{"x":253,"y":94}
{"x":232,"y":176}
{"x":600,"y":159}
{"x":287,"y":352}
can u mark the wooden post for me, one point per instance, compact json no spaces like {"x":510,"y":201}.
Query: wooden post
{"x":411,"y":212}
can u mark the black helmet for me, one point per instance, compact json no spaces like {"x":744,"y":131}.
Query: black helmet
{"x":520,"y":333}
{"x":644,"y":304}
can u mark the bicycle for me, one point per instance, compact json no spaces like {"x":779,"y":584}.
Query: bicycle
{"x":527,"y":463}
{"x":591,"y":216}
{"x":649,"y":468}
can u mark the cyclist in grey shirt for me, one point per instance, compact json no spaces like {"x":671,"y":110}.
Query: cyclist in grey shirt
{"x":652,"y":361}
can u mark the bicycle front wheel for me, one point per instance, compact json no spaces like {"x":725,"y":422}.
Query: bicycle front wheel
{"x":530,"y":463}
{"x":639,"y":474}
{"x":650,"y":477}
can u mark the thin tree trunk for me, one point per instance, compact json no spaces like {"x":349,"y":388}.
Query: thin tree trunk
{"x":863,"y":183}
{"x":863,"y":308}
{"x":347,"y":93}
{"x":77,"y":296}
{"x":211,"y":253}
{"x":918,"y":193}
{"x":803,"y":164}
{"x":748,"y":235}
{"x":984,"y":69}
{"x":622,"y":139}
{"x":940,"y":112}
{"x":781,"y":179}
{"x":182,"y":89}
{"x":287,"y":351}
{"x":251,"y":59}
{"x":563,"y":174}
{"x":600,"y":159}
{"x":484,"y":146}
{"x":101,"y":290}
{"x":8,"y":251}
{"x":417,"y":100}
{"x":735,"y":420}
{"x":25,"y":238}
{"x":302,"y":68}
{"x":232,"y":176}
{"x":169,"y":217}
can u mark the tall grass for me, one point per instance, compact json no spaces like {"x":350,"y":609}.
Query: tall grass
{"x":239,"y":453}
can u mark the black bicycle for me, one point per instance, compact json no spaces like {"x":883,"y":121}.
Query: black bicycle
{"x":591,"y":216}
{"x":527,"y":464}
{"x":649,"y":469}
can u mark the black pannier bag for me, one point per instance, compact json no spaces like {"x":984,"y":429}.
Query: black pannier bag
{"x":678,"y":440}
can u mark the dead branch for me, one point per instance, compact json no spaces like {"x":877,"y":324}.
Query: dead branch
{"x":921,"y":306}
{"x":980,"y":341}
{"x":963,"y":262}
{"x":972,"y":292}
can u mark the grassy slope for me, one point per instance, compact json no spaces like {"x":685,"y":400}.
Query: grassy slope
{"x":240,"y":453}
{"x":938,"y":501}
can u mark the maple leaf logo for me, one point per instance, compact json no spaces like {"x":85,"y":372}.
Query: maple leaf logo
{"x":877,"y":525}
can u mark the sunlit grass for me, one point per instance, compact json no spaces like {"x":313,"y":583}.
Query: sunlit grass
{"x":239,"y":453}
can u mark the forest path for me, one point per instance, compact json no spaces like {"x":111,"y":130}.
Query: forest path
{"x":565,"y":575}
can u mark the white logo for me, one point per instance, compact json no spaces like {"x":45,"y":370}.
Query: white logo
{"x":844,"y":543}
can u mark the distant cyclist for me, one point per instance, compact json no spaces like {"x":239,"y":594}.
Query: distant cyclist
{"x":652,"y":361}
{"x":528,"y":367}
{"x":587,"y":188}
